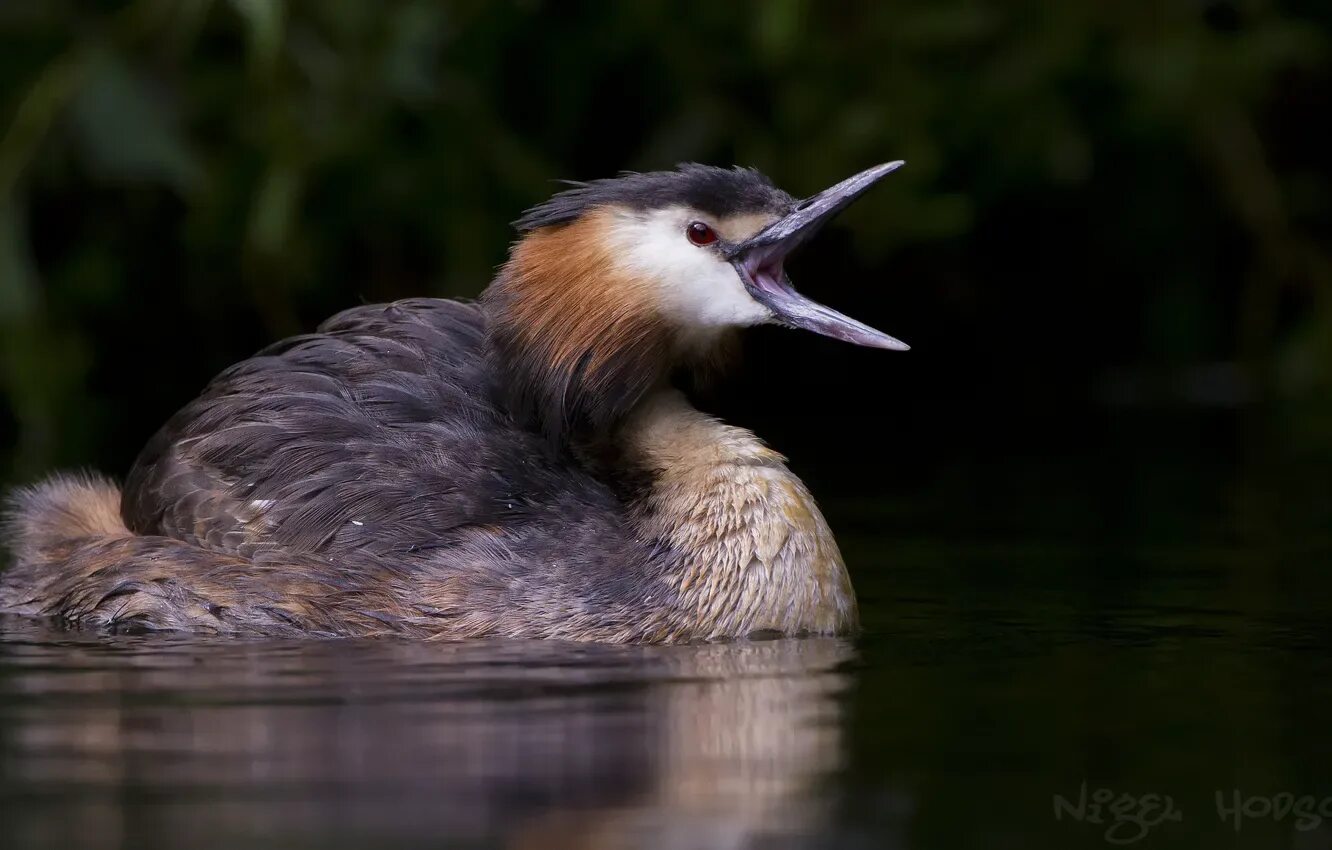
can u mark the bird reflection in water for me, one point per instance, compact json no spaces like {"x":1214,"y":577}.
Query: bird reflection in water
{"x":386,"y":743}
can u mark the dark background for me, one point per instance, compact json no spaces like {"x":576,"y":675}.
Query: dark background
{"x":1112,"y":226}
{"x":1088,"y":516}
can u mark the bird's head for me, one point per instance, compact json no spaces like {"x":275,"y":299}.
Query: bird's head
{"x":616,"y":283}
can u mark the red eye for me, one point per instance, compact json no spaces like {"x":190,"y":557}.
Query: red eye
{"x":700,"y":234}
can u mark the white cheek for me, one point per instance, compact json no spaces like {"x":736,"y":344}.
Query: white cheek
{"x":697,"y":287}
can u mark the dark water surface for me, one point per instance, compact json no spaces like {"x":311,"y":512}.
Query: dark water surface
{"x":1152,"y":617}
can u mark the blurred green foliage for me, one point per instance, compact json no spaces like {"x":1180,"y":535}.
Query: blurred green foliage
{"x":181,"y":180}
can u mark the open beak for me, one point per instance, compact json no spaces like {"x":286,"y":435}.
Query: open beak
{"x":759,"y":262}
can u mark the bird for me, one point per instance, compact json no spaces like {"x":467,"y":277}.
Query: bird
{"x":521,"y":465}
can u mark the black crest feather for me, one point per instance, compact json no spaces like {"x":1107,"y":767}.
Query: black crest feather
{"x":708,"y":188}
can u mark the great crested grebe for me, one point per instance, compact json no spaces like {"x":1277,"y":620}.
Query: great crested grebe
{"x":518,"y":466}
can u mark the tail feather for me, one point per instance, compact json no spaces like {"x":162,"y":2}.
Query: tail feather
{"x":60,"y":510}
{"x":75,"y":560}
{"x":45,"y":524}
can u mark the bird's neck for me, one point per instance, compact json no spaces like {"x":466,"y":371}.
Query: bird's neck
{"x":577,"y":340}
{"x":574,"y":342}
{"x":755,"y":552}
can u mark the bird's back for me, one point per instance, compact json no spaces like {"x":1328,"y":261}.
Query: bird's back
{"x":375,"y":434}
{"x":370,"y":464}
